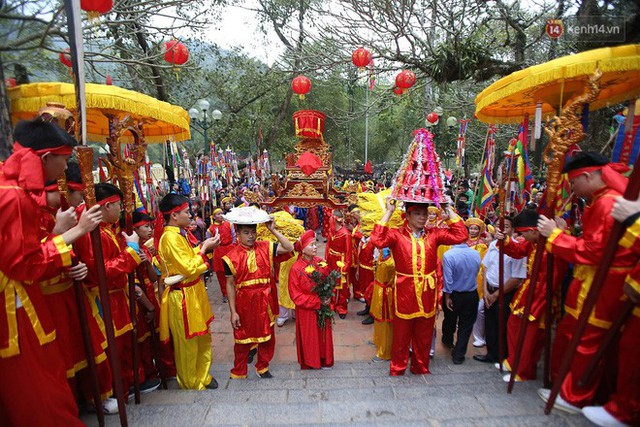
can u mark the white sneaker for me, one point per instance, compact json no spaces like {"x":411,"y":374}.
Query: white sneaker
{"x":504,"y":367}
{"x":599,"y":416}
{"x":560,"y":403}
{"x":478,"y":343}
{"x":544,"y":394}
{"x":110,"y":406}
{"x":280,"y":322}
{"x":432,"y":352}
{"x":507,"y":377}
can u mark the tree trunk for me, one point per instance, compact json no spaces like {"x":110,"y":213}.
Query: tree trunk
{"x":6,"y":135}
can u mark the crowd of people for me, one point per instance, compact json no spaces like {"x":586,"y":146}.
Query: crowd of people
{"x":438,"y":259}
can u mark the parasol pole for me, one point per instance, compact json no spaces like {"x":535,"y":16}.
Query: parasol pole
{"x":85,"y":157}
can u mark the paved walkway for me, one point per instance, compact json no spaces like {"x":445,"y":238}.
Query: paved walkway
{"x":356,"y":391}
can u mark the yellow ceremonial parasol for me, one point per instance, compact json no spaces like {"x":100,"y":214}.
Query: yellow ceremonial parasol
{"x":162,"y":121}
{"x":556,"y":82}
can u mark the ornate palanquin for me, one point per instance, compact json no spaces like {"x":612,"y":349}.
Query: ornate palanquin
{"x":298,"y":188}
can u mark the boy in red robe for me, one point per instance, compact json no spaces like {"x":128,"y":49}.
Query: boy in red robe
{"x":248,"y":267}
{"x":414,"y":250}
{"x":313,"y":343}
{"x":591,"y":176}
{"x":31,"y":366}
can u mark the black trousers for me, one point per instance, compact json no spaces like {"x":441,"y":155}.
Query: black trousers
{"x":462,"y":318}
{"x":491,"y":327}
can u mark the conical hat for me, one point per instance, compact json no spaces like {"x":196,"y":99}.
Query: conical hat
{"x":420,"y":178}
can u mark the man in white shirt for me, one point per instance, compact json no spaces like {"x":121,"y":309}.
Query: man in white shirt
{"x":515,"y":271}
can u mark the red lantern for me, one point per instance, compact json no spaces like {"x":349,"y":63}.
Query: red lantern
{"x":361,"y":57}
{"x":10,"y":82}
{"x":65,"y":58}
{"x":301,"y":85}
{"x":109,"y":80}
{"x":398,"y":91}
{"x":175,"y":52}
{"x":432,"y":118}
{"x":405,"y":79}
{"x":95,"y":8}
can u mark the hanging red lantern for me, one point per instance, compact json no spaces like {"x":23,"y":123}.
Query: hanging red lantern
{"x":10,"y":82}
{"x":361,"y":57}
{"x":95,"y":8}
{"x":398,"y":91}
{"x":65,"y":58}
{"x":301,"y":85}
{"x":109,"y":80}
{"x":175,"y":53}
{"x":432,"y":118}
{"x":405,"y":79}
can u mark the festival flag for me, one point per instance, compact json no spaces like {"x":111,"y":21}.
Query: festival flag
{"x":485,"y":184}
{"x":522,"y":169}
{"x":627,"y":146}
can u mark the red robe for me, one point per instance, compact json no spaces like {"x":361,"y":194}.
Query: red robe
{"x":226,"y":242}
{"x":624,"y":404}
{"x":415,"y":293}
{"x":534,"y":337}
{"x":339,"y":250}
{"x":585,"y":253}
{"x":356,"y":237}
{"x":366,"y":273}
{"x":31,"y":366}
{"x":314,"y":345}
{"x":254,"y":302}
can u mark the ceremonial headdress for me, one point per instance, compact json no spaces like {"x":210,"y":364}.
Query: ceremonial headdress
{"x":420,"y":178}
{"x":525,"y":221}
{"x":475,"y":221}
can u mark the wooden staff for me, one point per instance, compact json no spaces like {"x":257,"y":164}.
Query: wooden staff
{"x":564,"y":133}
{"x":546,"y":364}
{"x":587,"y":377}
{"x":82,"y":317}
{"x":502,"y":207}
{"x":126,"y":185}
{"x":85,"y":159}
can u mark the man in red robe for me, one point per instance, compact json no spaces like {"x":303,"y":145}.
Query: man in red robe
{"x":121,"y":257}
{"x":313,"y":343}
{"x":592,"y":177}
{"x":32,"y":370}
{"x":525,"y":225}
{"x":227,"y":239}
{"x":339,"y":256}
{"x":414,"y":250}
{"x":623,"y":407}
{"x":248,"y":266}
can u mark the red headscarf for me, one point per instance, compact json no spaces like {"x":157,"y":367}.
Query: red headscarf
{"x":304,"y":240}
{"x":611,"y":175}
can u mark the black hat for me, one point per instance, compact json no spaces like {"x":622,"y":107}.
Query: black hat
{"x":585,"y":159}
{"x":526,"y":218}
{"x":39,"y":135}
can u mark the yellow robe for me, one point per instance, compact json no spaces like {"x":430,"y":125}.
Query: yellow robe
{"x":185,"y":311}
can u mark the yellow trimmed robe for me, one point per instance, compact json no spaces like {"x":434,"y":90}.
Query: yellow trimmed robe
{"x":185,"y":311}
